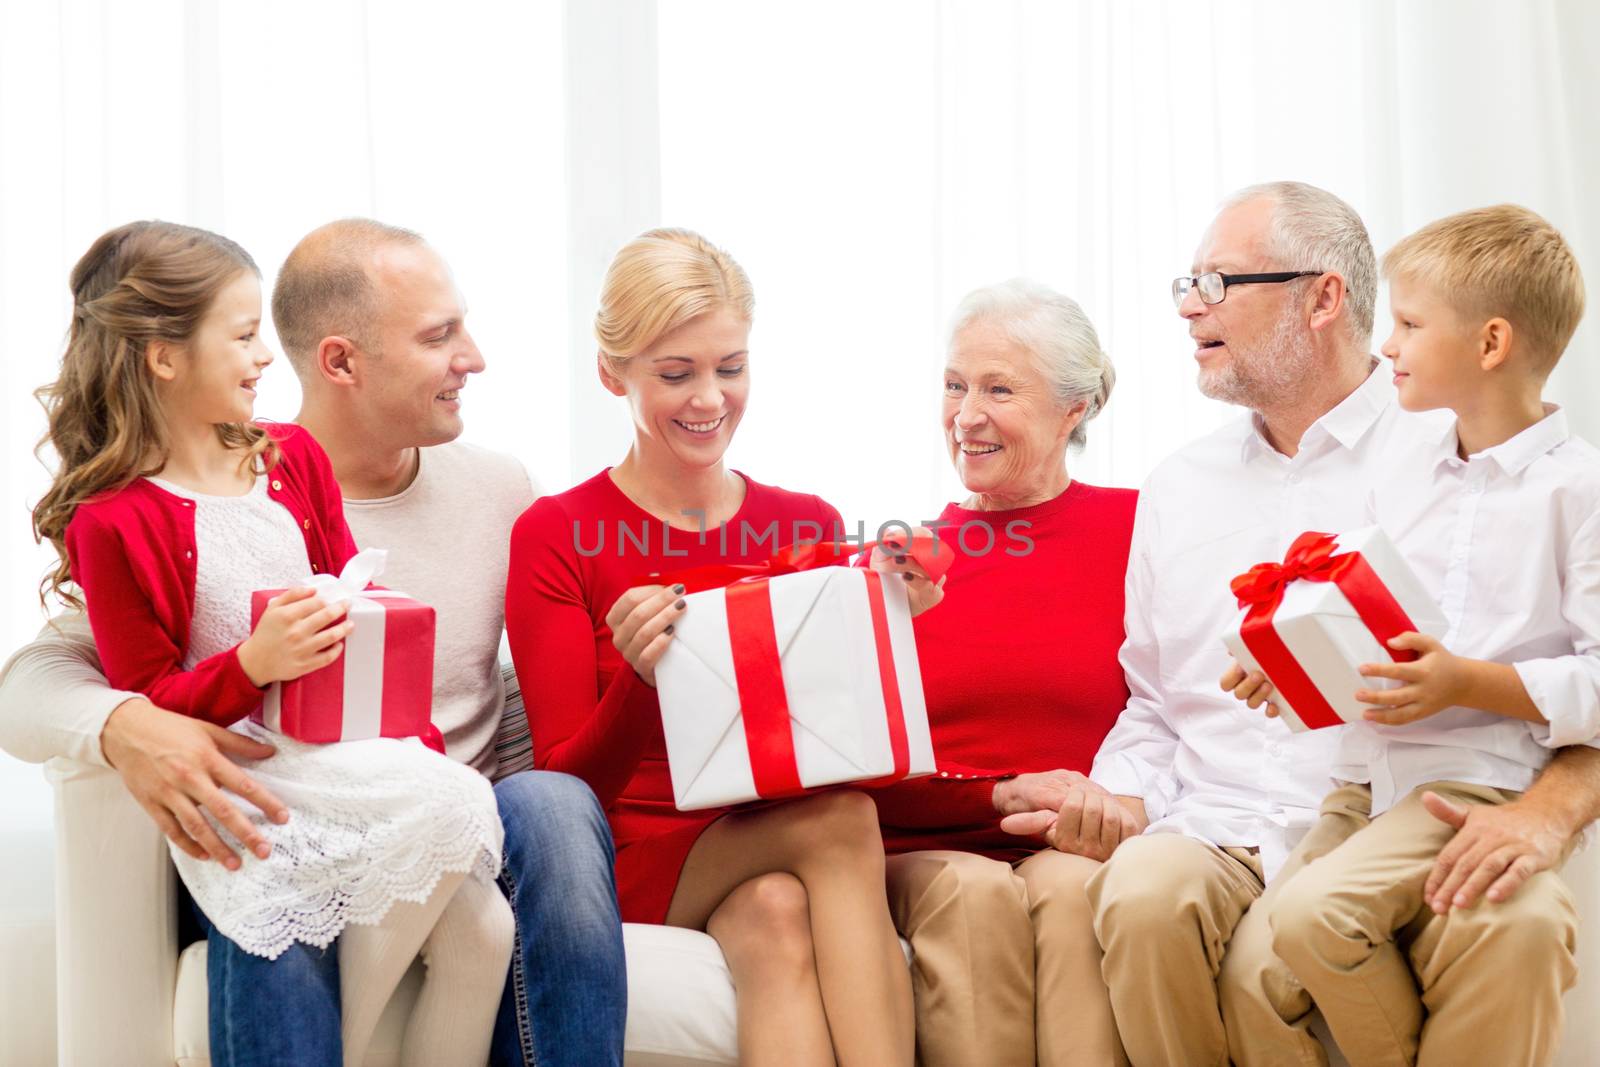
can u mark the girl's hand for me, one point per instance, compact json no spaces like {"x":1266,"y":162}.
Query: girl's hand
{"x":641,"y":624}
{"x":889,"y":558}
{"x":1252,"y":688}
{"x":296,"y":635}
{"x":1434,"y":681}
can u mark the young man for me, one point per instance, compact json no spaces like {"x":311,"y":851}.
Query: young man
{"x":371,"y":321}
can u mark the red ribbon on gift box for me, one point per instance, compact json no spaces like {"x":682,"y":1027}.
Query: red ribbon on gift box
{"x":1311,"y":558}
{"x":930,"y":553}
{"x":757,"y":665}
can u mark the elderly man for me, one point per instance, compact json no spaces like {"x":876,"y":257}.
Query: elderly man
{"x":1281,"y":310}
{"x":374,"y":327}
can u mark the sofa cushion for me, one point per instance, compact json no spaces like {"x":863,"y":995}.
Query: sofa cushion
{"x":680,"y":1003}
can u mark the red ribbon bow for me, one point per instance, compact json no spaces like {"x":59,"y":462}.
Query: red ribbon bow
{"x":930,"y":553}
{"x":1311,"y":558}
{"x":757,"y":663}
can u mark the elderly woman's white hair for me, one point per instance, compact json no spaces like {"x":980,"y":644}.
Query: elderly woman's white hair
{"x":1055,"y":330}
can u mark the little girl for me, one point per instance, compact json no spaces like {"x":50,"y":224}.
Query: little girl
{"x":168,"y":509}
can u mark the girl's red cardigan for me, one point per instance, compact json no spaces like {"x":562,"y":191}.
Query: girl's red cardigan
{"x":132,"y":554}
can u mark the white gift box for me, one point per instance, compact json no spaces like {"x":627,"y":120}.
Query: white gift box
{"x":839,"y":719}
{"x":1327,"y":637}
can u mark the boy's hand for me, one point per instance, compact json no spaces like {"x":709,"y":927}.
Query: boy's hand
{"x":1252,"y":688}
{"x":1434,"y":681}
{"x":296,"y":635}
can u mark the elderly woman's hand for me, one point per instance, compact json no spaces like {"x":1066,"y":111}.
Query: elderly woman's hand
{"x":1090,"y":822}
{"x":641,"y":624}
{"x":890,"y":559}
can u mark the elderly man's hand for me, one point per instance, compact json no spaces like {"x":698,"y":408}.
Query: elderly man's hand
{"x":1496,"y":849}
{"x":174,"y":766}
{"x":1089,"y":822}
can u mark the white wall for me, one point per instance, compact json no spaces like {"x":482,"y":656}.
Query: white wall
{"x":868,"y":162}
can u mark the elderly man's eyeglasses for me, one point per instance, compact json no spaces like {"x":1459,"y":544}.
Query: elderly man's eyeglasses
{"x":1213,"y":287}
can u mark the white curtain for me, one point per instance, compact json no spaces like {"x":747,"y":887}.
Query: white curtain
{"x":262,"y":121}
{"x":868,"y":162}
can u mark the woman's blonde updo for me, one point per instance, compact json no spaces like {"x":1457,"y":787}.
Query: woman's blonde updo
{"x":661,"y":280}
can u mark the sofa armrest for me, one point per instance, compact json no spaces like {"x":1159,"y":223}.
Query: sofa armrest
{"x":116,"y":923}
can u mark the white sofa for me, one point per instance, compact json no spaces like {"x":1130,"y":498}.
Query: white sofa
{"x":126,"y":997}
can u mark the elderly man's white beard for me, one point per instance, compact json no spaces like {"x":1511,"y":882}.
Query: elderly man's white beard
{"x":1264,"y":375}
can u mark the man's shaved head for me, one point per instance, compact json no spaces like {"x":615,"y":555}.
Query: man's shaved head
{"x":325,"y":287}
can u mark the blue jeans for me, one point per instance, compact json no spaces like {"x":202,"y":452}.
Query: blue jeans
{"x":566,"y":997}
{"x":566,"y":1000}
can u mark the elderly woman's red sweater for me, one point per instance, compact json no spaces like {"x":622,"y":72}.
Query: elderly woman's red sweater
{"x":1019,"y":663}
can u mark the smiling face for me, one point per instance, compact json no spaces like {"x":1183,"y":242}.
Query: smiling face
{"x":688,"y":390}
{"x":1006,"y":431}
{"x":423,"y":352}
{"x":1433,"y":349}
{"x":1256,"y":345}
{"x":215,"y":373}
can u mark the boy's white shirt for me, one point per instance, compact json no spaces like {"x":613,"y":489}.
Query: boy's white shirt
{"x":1205,"y":764}
{"x":1508,"y":541}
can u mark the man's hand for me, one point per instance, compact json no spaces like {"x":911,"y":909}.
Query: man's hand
{"x":1090,"y":822}
{"x":174,"y":766}
{"x":1496,"y":849}
{"x":1435,"y":680}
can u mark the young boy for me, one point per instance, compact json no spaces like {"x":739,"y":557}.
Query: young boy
{"x":1503,"y":526}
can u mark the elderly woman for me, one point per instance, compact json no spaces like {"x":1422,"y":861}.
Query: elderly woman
{"x":1020,"y":670}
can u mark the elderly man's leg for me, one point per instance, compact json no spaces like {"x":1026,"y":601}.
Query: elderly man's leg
{"x":967,"y":919}
{"x":1264,"y":1007}
{"x":1073,"y":1023}
{"x":566,"y":998}
{"x":1165,"y":907}
{"x":1492,"y":976}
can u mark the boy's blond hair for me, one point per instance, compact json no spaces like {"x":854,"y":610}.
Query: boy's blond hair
{"x":1503,"y":261}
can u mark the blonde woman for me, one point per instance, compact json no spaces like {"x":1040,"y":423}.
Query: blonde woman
{"x":792,"y":891}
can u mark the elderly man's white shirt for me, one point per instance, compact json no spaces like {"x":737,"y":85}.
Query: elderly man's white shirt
{"x":1508,"y":540}
{"x":1205,"y":764}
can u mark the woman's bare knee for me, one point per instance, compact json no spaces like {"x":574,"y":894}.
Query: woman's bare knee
{"x":837,"y":824}
{"x":765,"y":922}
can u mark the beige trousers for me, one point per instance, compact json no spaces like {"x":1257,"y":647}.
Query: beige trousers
{"x":1006,"y":969}
{"x":1397,"y":984}
{"x":1171,"y":914}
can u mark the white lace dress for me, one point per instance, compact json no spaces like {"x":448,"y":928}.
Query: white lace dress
{"x":370,"y":822}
